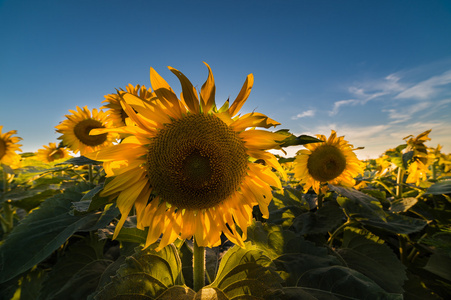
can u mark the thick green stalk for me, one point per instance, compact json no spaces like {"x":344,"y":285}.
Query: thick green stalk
{"x":198,"y":266}
{"x":91,"y":179}
{"x":320,"y":198}
{"x":400,"y":182}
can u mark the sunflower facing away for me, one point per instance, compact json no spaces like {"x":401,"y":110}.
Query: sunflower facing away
{"x":187,"y":165}
{"x":75,"y":130}
{"x":8,"y":147}
{"x":51,"y":153}
{"x":332,"y":161}
{"x":419,"y":168}
{"x":115,"y":111}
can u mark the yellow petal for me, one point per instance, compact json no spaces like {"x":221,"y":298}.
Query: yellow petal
{"x":242,"y":96}
{"x":262,"y":139}
{"x":165,"y":93}
{"x":207,"y":92}
{"x":253,"y":119}
{"x":189,"y":92}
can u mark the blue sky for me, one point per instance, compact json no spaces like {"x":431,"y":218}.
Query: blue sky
{"x":374,"y":71}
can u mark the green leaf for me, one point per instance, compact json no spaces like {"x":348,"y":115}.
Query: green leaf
{"x":402,"y":204}
{"x":246,"y":272}
{"x":33,"y":201}
{"x":364,"y":252}
{"x":145,"y":274}
{"x":367,"y":210}
{"x":80,"y":161}
{"x":406,"y":158}
{"x":285,"y":206}
{"x":292,"y":140}
{"x":321,"y":221}
{"x":290,"y":253}
{"x":63,"y":280}
{"x":440,"y":265}
{"x":31,"y":284}
{"x":337,"y":282}
{"x":439,"y":188}
{"x":180,"y":293}
{"x":45,"y":230}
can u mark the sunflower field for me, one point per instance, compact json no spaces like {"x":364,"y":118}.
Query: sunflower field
{"x":159,"y":196}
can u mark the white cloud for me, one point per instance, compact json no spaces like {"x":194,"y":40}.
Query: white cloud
{"x":427,"y":88}
{"x":307,"y":113}
{"x":406,"y":113}
{"x":367,"y":91}
{"x":340,"y":103}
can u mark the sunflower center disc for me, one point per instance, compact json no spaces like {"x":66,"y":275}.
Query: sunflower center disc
{"x":82,"y":129}
{"x":2,"y":148}
{"x":196,"y":162}
{"x":326,"y":163}
{"x":56,"y":154}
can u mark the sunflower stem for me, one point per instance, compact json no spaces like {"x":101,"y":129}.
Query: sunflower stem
{"x":320,"y":199}
{"x":399,"y":182}
{"x":7,"y":221}
{"x":198,"y":266}
{"x":91,"y":179}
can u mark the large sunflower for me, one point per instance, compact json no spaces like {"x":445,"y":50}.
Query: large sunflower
{"x":332,"y":161}
{"x":8,"y":147}
{"x":187,"y":166}
{"x":115,"y":111}
{"x":75,"y":130}
{"x":51,"y":153}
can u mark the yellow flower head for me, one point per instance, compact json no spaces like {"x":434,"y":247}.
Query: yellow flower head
{"x":115,"y":111}
{"x":51,"y":153}
{"x":418,"y":168}
{"x":8,"y":147}
{"x":332,"y":161}
{"x":75,"y":130}
{"x":187,"y":166}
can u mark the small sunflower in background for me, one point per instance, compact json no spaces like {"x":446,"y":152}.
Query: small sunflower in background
{"x":332,"y":161}
{"x":187,"y":166}
{"x":419,"y":166}
{"x":75,"y":130}
{"x":114,"y":109}
{"x":8,"y":147}
{"x":51,"y":153}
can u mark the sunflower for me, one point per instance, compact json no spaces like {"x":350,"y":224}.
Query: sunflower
{"x":8,"y":147}
{"x":421,"y":159}
{"x":332,"y":161}
{"x":51,"y":153}
{"x":188,"y":166}
{"x":115,"y":111}
{"x":75,"y":130}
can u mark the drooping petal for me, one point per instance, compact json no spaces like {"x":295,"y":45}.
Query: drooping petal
{"x":207,"y":92}
{"x":189,"y":92}
{"x":253,"y":119}
{"x":242,"y":96}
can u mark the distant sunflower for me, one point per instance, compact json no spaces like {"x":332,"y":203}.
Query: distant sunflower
{"x":8,"y":147}
{"x":75,"y":130}
{"x":115,"y":111}
{"x":332,"y":161}
{"x":51,"y":153}
{"x":419,"y":167}
{"x":186,"y":166}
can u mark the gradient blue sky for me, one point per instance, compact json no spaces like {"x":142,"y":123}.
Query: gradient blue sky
{"x":374,"y":71}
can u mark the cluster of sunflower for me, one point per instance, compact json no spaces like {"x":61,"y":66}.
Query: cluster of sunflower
{"x":182,"y":168}
{"x":189,"y":167}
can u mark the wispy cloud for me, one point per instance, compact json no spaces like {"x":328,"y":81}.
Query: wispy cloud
{"x":340,"y":103}
{"x":427,"y":88}
{"x":406,"y":112}
{"x":307,"y":113}
{"x":367,"y":91}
